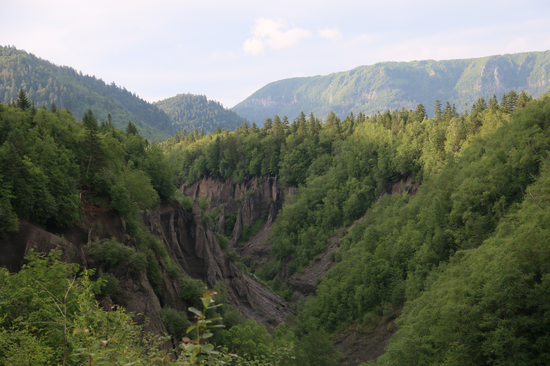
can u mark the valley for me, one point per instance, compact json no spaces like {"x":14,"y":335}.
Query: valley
{"x":337,"y":237}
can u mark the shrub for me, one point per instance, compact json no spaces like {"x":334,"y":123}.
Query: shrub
{"x":191,"y":289}
{"x":110,"y":252}
{"x":175,"y":321}
{"x":110,"y":284}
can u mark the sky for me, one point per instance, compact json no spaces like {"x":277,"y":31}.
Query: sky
{"x":228,"y":49}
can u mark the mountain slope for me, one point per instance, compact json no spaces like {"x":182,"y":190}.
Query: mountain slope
{"x":46,"y":83}
{"x":190,"y":111}
{"x":391,"y":85}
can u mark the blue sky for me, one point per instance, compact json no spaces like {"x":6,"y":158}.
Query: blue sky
{"x":227,"y":49}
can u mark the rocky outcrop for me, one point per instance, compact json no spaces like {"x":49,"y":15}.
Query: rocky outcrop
{"x":193,"y":245}
{"x":249,"y":200}
{"x":135,"y":291}
{"x":15,"y":246}
{"x":190,"y":243}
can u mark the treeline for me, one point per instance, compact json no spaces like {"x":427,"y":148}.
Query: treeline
{"x":64,"y":87}
{"x":194,"y":112}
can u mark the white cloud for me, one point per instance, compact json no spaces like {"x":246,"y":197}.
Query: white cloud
{"x":254,"y":46}
{"x":329,"y":33}
{"x":274,"y":34}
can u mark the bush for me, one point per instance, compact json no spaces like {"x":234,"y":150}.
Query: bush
{"x":109,"y":285}
{"x":175,"y":321}
{"x":138,"y":262}
{"x":186,"y":201}
{"x":191,"y":289}
{"x":110,"y":252}
{"x":230,"y":220}
{"x":222,"y":239}
{"x":233,"y":256}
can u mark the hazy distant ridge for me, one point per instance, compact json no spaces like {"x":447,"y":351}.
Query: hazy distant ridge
{"x":391,"y":85}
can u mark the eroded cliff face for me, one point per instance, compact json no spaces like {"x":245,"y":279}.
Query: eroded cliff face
{"x":249,"y":200}
{"x":190,"y":243}
{"x":193,"y":245}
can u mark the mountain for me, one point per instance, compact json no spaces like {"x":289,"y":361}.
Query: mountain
{"x":391,"y":85}
{"x":46,"y":83}
{"x":189,"y":111}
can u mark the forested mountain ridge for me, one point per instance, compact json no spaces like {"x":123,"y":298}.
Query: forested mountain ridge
{"x":391,"y":85}
{"x":190,"y":112}
{"x":462,"y":263}
{"x":46,"y":83}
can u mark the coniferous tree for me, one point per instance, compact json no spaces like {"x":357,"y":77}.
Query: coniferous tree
{"x":504,"y":103}
{"x":493,"y":103}
{"x":267,"y":125}
{"x":131,"y":129}
{"x":22,"y":101}
{"x":448,"y":113}
{"x":92,"y":147}
{"x":512,"y":100}
{"x":437,"y":111}
{"x":420,"y":113}
{"x":522,"y":100}
{"x":278,"y":130}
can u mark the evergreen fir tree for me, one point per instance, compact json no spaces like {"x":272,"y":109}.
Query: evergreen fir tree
{"x":22,"y":101}
{"x":268,"y":124}
{"x":523,"y":99}
{"x":437,"y":111}
{"x":420,"y":113}
{"x":504,"y":103}
{"x":131,"y":129}
{"x":512,"y":100}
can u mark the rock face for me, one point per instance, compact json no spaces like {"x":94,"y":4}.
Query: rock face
{"x":249,"y":200}
{"x":190,"y":243}
{"x":194,"y":247}
{"x":15,"y":246}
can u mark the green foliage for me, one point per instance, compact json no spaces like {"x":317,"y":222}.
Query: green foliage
{"x":46,"y":157}
{"x":110,"y":252}
{"x":51,"y":317}
{"x":391,"y":85}
{"x":176,"y":323}
{"x":109,"y":284}
{"x":62,"y":87}
{"x":191,"y":289}
{"x":489,"y":304}
{"x":250,"y":231}
{"x":249,"y":339}
{"x":191,"y":112}
{"x":185,"y":201}
{"x":388,"y":255}
{"x":230,"y":220}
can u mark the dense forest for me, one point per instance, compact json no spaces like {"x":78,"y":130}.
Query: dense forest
{"x":50,"y":163}
{"x":391,"y":85}
{"x":190,"y":112}
{"x":463,"y":261}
